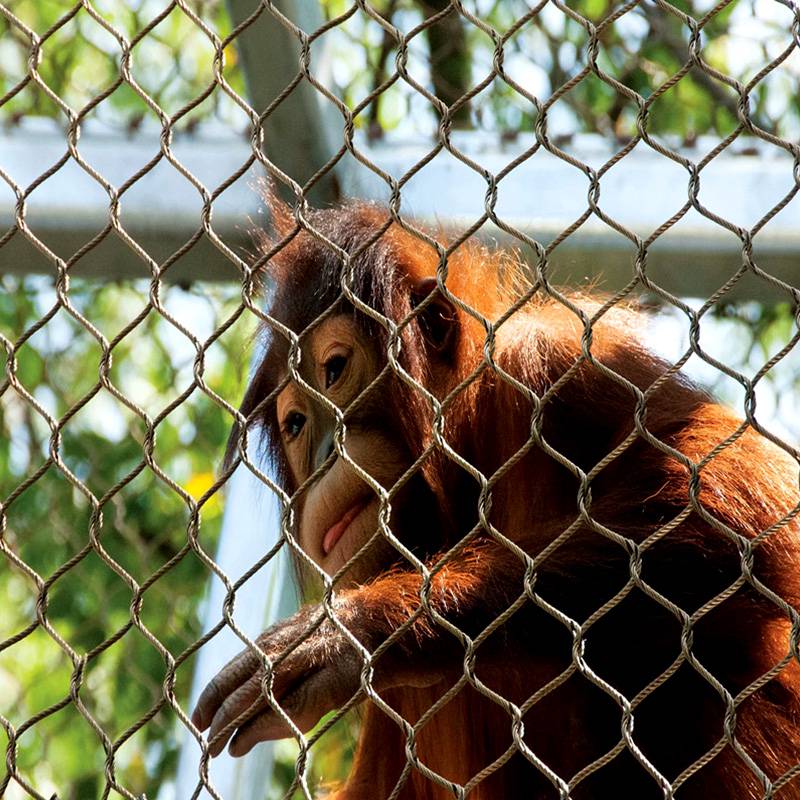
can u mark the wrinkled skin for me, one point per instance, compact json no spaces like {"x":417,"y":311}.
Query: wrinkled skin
{"x":320,"y":674}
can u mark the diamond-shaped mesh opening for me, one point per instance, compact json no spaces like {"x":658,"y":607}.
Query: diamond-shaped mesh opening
{"x":560,"y":569}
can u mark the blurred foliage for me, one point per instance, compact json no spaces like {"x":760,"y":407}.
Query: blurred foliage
{"x":172,"y":61}
{"x":144,"y":520}
{"x":643,"y":49}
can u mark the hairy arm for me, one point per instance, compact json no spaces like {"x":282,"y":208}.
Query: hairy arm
{"x":316,"y":666}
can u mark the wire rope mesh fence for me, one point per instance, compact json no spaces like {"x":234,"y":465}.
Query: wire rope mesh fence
{"x":474,"y":376}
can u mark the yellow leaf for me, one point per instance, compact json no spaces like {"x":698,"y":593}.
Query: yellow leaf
{"x":198,"y":485}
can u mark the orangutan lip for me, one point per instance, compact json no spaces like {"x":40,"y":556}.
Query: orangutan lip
{"x":336,"y":531}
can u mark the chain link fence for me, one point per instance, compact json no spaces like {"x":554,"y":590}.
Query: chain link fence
{"x":118,"y":396}
{"x":546,"y":53}
{"x":78,"y":63}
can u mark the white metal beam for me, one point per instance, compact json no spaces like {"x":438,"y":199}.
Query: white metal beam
{"x":542,"y":197}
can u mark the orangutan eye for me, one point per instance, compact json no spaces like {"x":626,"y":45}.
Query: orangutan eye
{"x":334,"y":367}
{"x":293,"y":424}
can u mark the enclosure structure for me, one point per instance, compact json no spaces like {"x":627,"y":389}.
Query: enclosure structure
{"x":672,"y":208}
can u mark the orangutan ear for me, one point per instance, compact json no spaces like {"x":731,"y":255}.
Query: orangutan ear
{"x":438,"y":321}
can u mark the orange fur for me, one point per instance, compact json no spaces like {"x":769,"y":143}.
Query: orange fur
{"x":691,"y":547}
